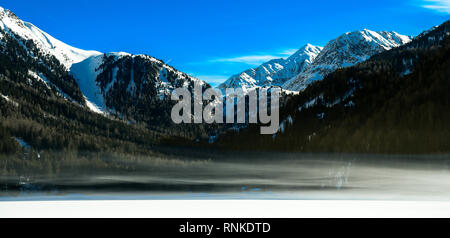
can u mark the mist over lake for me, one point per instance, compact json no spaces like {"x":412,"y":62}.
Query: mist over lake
{"x":229,"y":175}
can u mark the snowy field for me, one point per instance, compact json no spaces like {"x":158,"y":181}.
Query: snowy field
{"x":224,"y":209}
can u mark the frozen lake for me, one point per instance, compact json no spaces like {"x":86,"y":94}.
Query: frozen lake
{"x":247,"y":176}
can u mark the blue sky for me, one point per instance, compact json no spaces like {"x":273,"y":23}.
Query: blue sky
{"x":215,"y":39}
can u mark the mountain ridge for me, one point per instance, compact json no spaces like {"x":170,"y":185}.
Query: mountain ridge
{"x":274,"y":72}
{"x":346,"y":50}
{"x":65,"y":53}
{"x":311,"y":63}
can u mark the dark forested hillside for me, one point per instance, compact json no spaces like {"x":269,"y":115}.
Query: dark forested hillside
{"x":138,"y":87}
{"x":21,"y":61}
{"x":396,"y":102}
{"x":42,"y":104}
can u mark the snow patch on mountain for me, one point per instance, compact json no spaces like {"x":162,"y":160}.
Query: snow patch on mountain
{"x":87,"y":72}
{"x":5,"y":97}
{"x":9,"y":100}
{"x":40,"y":78}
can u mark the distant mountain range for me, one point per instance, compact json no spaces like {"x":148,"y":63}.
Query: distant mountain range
{"x":344,"y":51}
{"x":275,"y":72}
{"x":312,"y":63}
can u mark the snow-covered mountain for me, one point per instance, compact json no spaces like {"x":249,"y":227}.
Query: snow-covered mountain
{"x":49,"y":106}
{"x":347,"y":50}
{"x":274,"y":72}
{"x":66,"y":54}
{"x":114,"y":82}
{"x":110,"y":83}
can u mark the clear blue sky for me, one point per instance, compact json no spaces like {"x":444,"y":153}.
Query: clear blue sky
{"x":214,"y":39}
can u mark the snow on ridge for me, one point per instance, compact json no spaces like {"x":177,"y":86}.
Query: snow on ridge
{"x":273,"y":72}
{"x":9,"y":100}
{"x":66,"y":54}
{"x":309,"y":50}
{"x":119,"y":54}
{"x":312,"y":63}
{"x":40,"y":77}
{"x":5,"y":97}
{"x":347,"y":50}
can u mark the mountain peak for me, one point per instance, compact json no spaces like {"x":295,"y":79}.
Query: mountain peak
{"x":67,"y":55}
{"x":309,"y":46}
{"x":385,"y":39}
{"x":346,"y":50}
{"x":274,"y":72}
{"x":8,"y":13}
{"x":307,"y":51}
